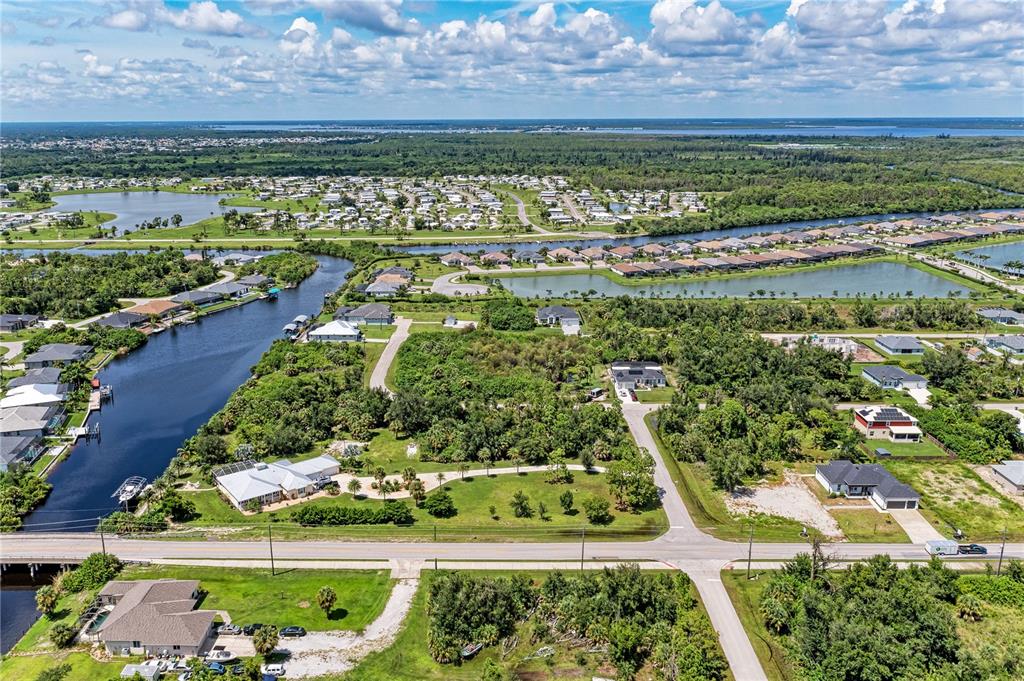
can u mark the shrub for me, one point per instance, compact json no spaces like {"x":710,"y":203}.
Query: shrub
{"x":62,"y":634}
{"x":390,"y":512}
{"x":95,"y":571}
{"x":597,"y":510}
{"x":440,"y":504}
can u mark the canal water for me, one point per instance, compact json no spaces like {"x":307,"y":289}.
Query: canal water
{"x":132,"y":208}
{"x":995,"y":256}
{"x":164,"y":391}
{"x":521,"y":244}
{"x":844,"y":281}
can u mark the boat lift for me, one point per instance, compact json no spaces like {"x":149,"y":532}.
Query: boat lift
{"x":129,"y":489}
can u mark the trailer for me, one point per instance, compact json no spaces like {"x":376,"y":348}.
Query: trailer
{"x":942,"y":547}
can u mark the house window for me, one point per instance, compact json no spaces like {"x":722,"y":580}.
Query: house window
{"x":175,"y":647}
{"x":136,"y":644}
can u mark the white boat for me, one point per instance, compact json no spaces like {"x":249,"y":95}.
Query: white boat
{"x":129,"y":489}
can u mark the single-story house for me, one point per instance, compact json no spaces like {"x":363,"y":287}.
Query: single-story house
{"x":495,"y":258}
{"x":1010,"y":345}
{"x":160,"y":308}
{"x":54,"y":354}
{"x":382,"y":289}
{"x":1011,"y":475}
{"x":456,"y":259}
{"x":123,"y":320}
{"x":254,"y":281}
{"x":866,"y":480}
{"x":529,"y":257}
{"x":1001,"y":315}
{"x":377,"y":314}
{"x":622,"y":252}
{"x":34,"y":395}
{"x":19,"y":451}
{"x":900,"y":345}
{"x":17,"y":322}
{"x":36,"y":377}
{"x":887,"y":422}
{"x":267,"y":483}
{"x":565,"y":254}
{"x":556,"y":314}
{"x":633,"y":375}
{"x":154,"y":617}
{"x":626,"y":269}
{"x":336,"y":331}
{"x":893,"y":378}
{"x":228,"y":289}
{"x":30,"y":421}
{"x":198,"y":298}
{"x":593,"y":253}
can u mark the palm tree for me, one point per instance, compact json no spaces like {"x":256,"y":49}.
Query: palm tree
{"x":354,"y":486}
{"x":463,"y":468}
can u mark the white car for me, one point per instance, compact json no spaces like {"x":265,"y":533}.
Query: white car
{"x":273,"y":669}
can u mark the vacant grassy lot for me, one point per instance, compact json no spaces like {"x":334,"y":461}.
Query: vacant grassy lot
{"x":869,"y":526}
{"x":285,"y":599}
{"x":952,"y":495}
{"x":906,"y":449}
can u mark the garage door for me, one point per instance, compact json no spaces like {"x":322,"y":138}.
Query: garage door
{"x":896,"y":504}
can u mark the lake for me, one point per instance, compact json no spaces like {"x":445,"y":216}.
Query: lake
{"x":995,"y":256}
{"x":846,"y":281}
{"x":133,"y":208}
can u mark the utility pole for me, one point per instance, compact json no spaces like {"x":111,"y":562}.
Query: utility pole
{"x":583,"y":545}
{"x":1002,"y":548}
{"x":750,"y":549}
{"x":270,"y":538}
{"x":103,"y":540}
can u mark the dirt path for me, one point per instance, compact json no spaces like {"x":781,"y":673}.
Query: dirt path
{"x":335,"y":652}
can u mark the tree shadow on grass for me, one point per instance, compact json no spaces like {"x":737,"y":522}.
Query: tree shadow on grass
{"x":337,"y":614}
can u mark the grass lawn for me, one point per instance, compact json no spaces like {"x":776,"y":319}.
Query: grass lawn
{"x":655,"y":394}
{"x":371,"y":353}
{"x":706,"y":505}
{"x":288,"y":598}
{"x":907,"y":449}
{"x":869,"y":526}
{"x":745,"y":595}
{"x":378,"y":331}
{"x":83,"y":666}
{"x":953,"y":495}
{"x":472,"y":497}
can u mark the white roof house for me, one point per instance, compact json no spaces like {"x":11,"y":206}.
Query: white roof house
{"x":34,"y":395}
{"x":266,"y":483}
{"x":336,"y":331}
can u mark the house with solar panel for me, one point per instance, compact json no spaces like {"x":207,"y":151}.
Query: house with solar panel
{"x":885,"y":422}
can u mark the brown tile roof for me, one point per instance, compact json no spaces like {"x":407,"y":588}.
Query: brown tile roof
{"x":156,"y":613}
{"x":157,"y":307}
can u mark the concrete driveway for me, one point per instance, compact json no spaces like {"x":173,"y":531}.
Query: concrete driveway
{"x":913,"y":523}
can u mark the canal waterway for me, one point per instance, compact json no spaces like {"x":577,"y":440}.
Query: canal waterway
{"x":997,"y":255}
{"x":133,"y":208}
{"x":164,"y":391}
{"x":843,"y":281}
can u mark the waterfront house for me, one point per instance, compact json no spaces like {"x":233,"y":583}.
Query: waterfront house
{"x":866,"y":480}
{"x":382,"y":289}
{"x":653,"y":250}
{"x":153,"y":617}
{"x":336,"y":331}
{"x":622,"y":252}
{"x":626,"y":269}
{"x":228,"y":289}
{"x":495,"y":258}
{"x":900,"y":345}
{"x":593,"y":254}
{"x":197,"y":298}
{"x":259,"y":483}
{"x":46,"y":375}
{"x":557,"y":314}
{"x":254,"y":281}
{"x":691,"y":265}
{"x":632,"y":375}
{"x":376,"y":314}
{"x":893,"y":378}
{"x":123,"y":320}
{"x":649,"y":268}
{"x":528,"y":257}
{"x":158,"y":308}
{"x":30,"y":421}
{"x":670,"y":266}
{"x":456,"y":259}
{"x":16,"y":322}
{"x":19,"y":451}
{"x":564,"y":254}
{"x":56,"y":354}
{"x":1001,"y":315}
{"x":35,"y":395}
{"x":891,"y":423}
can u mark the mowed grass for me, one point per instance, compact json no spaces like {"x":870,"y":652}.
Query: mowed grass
{"x":83,"y":666}
{"x":473,"y":497}
{"x":907,"y":449}
{"x":285,"y":599}
{"x":745,"y":595}
{"x":953,"y":495}
{"x":869,"y":526}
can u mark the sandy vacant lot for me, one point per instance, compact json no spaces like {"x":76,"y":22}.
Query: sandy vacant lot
{"x":791,"y":499}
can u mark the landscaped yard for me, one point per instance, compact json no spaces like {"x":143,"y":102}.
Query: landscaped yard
{"x":952,"y":495}
{"x":285,"y":599}
{"x":657,"y":395}
{"x":869,"y":526}
{"x":473,"y":498}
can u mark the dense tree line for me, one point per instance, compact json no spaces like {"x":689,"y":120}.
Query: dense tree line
{"x":100,"y":337}
{"x":643,"y":620}
{"x":877,"y":621}
{"x":284,"y":268}
{"x":75,"y":286}
{"x":976,"y":436}
{"x":21,"y":490}
{"x":390,"y":512}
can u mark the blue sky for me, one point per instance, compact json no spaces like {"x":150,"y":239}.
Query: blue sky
{"x":355,"y":59}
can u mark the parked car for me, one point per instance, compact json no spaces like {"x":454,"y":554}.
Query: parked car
{"x":274,"y":670}
{"x":250,"y":629}
{"x":292,"y":632}
{"x":217,"y":668}
{"x":221,"y":656}
{"x":185,"y":676}
{"x":632,"y":395}
{"x":229,"y":629}
{"x":972,"y":549}
{"x":238,"y":669}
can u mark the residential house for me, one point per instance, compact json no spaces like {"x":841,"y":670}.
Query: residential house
{"x":893,"y":378}
{"x":900,"y":345}
{"x":257,"y":483}
{"x":375,"y":314}
{"x":254,"y":281}
{"x":19,"y":451}
{"x":123,"y":320}
{"x":557,"y":314}
{"x":495,"y":258}
{"x":622,"y":252}
{"x":36,"y":377}
{"x":34,"y":395}
{"x":336,"y":331}
{"x":16,"y":322}
{"x":154,"y":617}
{"x":56,"y":354}
{"x":197,"y":298}
{"x":632,"y":375}
{"x":382,"y":289}
{"x":564,"y":254}
{"x":654,"y":250}
{"x":456,"y":259}
{"x":891,"y":423}
{"x":1010,"y":474}
{"x":158,"y":308}
{"x":1009,"y":345}
{"x":528,"y":257}
{"x":229,"y":289}
{"x":1000,"y":315}
{"x":593,"y":254}
{"x":864,"y":480}
{"x":626,"y":269}
{"x":30,"y":421}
